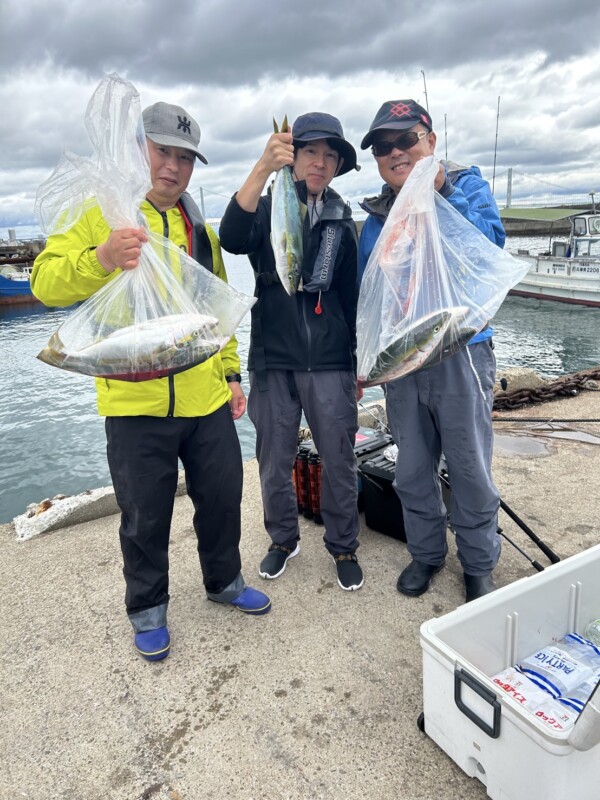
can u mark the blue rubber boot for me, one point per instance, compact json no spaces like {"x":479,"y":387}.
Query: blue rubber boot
{"x":153,"y":645}
{"x":251,"y":601}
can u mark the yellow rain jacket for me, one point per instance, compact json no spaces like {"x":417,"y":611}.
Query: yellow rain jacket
{"x":68,"y":271}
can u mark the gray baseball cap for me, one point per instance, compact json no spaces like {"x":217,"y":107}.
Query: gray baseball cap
{"x":172,"y":126}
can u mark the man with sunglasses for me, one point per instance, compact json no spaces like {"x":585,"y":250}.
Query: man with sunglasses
{"x":446,"y":407}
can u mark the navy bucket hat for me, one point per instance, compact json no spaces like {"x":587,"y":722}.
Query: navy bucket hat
{"x":397,"y":115}
{"x":317,"y":125}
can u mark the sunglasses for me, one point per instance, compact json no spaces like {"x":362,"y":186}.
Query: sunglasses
{"x":404,"y":142}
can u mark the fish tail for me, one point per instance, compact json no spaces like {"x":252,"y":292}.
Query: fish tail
{"x":284,"y":125}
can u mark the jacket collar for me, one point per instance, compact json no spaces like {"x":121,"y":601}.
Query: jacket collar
{"x":379,"y":204}
{"x":334,"y":207}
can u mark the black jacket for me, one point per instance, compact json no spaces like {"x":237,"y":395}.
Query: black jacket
{"x":288,"y":332}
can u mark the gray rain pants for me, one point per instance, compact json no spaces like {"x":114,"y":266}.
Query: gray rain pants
{"x":443,"y":409}
{"x":328,"y":399}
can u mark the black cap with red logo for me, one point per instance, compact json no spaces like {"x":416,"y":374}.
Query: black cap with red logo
{"x":397,"y":115}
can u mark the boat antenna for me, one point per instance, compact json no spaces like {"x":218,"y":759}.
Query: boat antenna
{"x":425,"y":89}
{"x":446,"y":137}
{"x":496,"y":146}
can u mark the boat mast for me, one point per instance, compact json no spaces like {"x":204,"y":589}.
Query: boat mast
{"x":446,"y":137}
{"x":496,"y":146}
{"x":425,"y":90}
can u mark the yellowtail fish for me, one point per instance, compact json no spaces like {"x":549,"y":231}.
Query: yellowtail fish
{"x":287,"y":220}
{"x":151,"y":349}
{"x":457,"y":335}
{"x":416,"y":345}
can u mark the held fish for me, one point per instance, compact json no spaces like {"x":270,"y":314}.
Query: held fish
{"x":421,"y":344}
{"x":151,"y":349}
{"x":287,"y":221}
{"x":413,"y":346}
{"x":457,"y":335}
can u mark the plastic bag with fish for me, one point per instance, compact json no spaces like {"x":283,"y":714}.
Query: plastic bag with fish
{"x":287,"y":220}
{"x":166,"y":315}
{"x":432,"y":282}
{"x":149,"y":322}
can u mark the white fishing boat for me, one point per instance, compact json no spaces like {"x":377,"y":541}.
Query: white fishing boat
{"x":569,"y":271}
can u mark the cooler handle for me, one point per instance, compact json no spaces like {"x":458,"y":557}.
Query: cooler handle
{"x":460,"y":677}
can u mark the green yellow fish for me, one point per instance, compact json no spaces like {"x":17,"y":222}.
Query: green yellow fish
{"x":287,"y":222}
{"x":151,"y":349}
{"x":421,"y":344}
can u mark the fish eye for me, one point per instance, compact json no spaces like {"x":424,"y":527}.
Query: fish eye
{"x":437,"y":328}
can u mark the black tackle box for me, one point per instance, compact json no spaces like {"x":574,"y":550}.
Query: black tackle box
{"x":380,"y":503}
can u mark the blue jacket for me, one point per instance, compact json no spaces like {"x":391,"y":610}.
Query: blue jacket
{"x":465,"y":189}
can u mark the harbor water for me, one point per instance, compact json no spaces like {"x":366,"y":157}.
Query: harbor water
{"x":53,"y":441}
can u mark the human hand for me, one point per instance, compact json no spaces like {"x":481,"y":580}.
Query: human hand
{"x":237,"y":404}
{"x":279,"y":152}
{"x":440,"y":178}
{"x":122,"y":249}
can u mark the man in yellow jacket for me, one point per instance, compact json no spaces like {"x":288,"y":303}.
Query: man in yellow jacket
{"x":152,"y":424}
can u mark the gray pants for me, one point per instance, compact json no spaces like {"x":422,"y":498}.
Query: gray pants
{"x":443,"y":409}
{"x":328,"y":399}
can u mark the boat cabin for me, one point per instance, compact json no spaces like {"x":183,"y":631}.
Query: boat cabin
{"x":585,"y":237}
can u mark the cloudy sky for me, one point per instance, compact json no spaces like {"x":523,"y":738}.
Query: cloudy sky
{"x":234,"y":64}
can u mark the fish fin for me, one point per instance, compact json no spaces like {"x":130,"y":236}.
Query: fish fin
{"x":303,"y":210}
{"x":275,"y":126}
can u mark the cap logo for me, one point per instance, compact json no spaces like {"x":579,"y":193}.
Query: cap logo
{"x":184,"y":124}
{"x":401,"y":110}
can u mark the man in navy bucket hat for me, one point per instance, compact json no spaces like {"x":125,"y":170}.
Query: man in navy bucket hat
{"x":303,"y":346}
{"x":448,"y":405}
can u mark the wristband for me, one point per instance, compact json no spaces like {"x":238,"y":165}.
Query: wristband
{"x":233,"y":378}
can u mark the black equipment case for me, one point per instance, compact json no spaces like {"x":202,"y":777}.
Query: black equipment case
{"x":381,"y":504}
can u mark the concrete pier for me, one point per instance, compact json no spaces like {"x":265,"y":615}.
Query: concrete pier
{"x":316,"y":701}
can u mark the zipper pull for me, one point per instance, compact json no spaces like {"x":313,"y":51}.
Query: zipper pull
{"x":318,"y":309}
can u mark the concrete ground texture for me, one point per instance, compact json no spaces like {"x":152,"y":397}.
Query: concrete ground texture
{"x":317,"y":700}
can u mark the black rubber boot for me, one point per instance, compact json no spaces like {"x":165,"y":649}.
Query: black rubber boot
{"x":477,"y":586}
{"x":416,"y":578}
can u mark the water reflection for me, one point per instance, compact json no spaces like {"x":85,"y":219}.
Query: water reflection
{"x":552,"y":338}
{"x":53,"y":441}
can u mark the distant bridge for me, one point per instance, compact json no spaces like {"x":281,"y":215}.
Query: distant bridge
{"x":513,"y":188}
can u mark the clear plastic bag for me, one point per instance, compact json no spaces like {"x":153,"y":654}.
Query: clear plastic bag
{"x":166,"y":315}
{"x":431,"y":283}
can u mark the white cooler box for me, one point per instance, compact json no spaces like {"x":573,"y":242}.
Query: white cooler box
{"x":484,"y":730}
